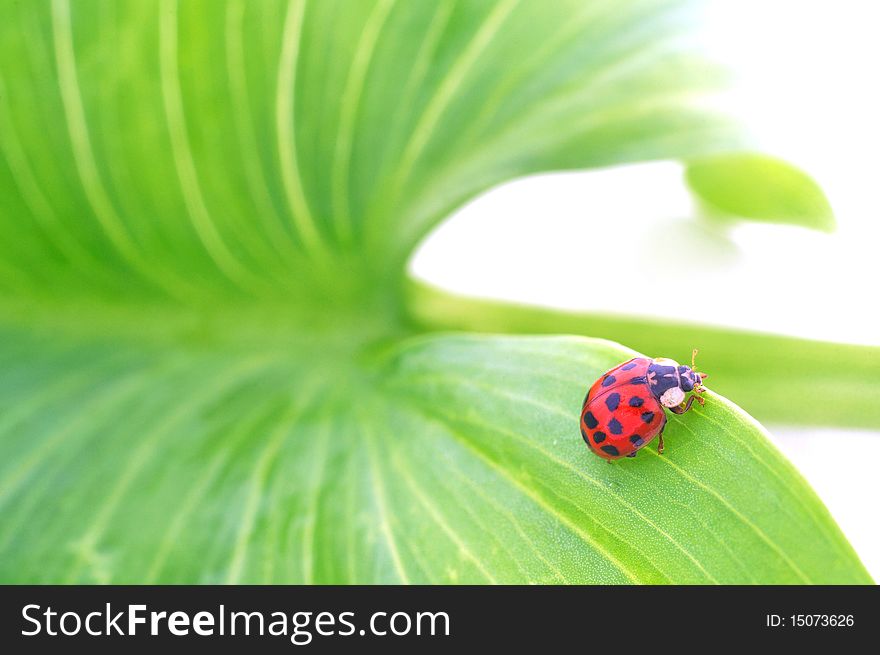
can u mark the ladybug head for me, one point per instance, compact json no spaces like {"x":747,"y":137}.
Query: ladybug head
{"x":691,"y":379}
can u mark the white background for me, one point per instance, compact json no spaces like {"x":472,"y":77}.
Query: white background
{"x":810,"y":88}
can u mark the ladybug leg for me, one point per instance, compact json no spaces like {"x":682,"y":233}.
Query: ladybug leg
{"x":681,"y":409}
{"x":660,"y":443}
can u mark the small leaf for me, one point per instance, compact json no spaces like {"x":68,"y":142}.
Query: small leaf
{"x":759,"y":188}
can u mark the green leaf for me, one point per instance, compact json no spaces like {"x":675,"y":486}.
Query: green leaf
{"x":207,"y":371}
{"x":776,"y":378}
{"x":759,"y":188}
{"x":456,"y":459}
{"x":290,"y":149}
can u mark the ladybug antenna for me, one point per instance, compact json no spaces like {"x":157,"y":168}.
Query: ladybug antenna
{"x":703,"y":376}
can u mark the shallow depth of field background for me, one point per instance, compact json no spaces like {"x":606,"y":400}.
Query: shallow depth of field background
{"x":215,"y":369}
{"x":809,"y":86}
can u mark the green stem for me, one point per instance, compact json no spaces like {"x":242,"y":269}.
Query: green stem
{"x":775,"y":378}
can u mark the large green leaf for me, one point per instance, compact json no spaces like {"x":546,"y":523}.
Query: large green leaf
{"x":268,"y":148}
{"x":445,"y":459}
{"x":206,"y":369}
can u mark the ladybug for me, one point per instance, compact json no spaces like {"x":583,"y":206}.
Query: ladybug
{"x":623,"y":410}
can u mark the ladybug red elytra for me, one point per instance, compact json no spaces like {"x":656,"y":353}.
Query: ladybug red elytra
{"x":623,"y":410}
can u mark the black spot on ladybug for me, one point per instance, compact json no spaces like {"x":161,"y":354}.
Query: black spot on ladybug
{"x":637,"y":440}
{"x":611,"y":450}
{"x":627,"y":367}
{"x":598,"y":437}
{"x":608,"y":381}
{"x":586,"y":441}
{"x":633,"y":453}
{"x":612,"y":401}
{"x":590,"y":420}
{"x":641,"y":379}
{"x":614,"y":426}
{"x":635,"y":401}
{"x":647,"y":417}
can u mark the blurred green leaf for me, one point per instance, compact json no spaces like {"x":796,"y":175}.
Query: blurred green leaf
{"x":759,"y":188}
{"x":204,"y":150}
{"x":206,"y":370}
